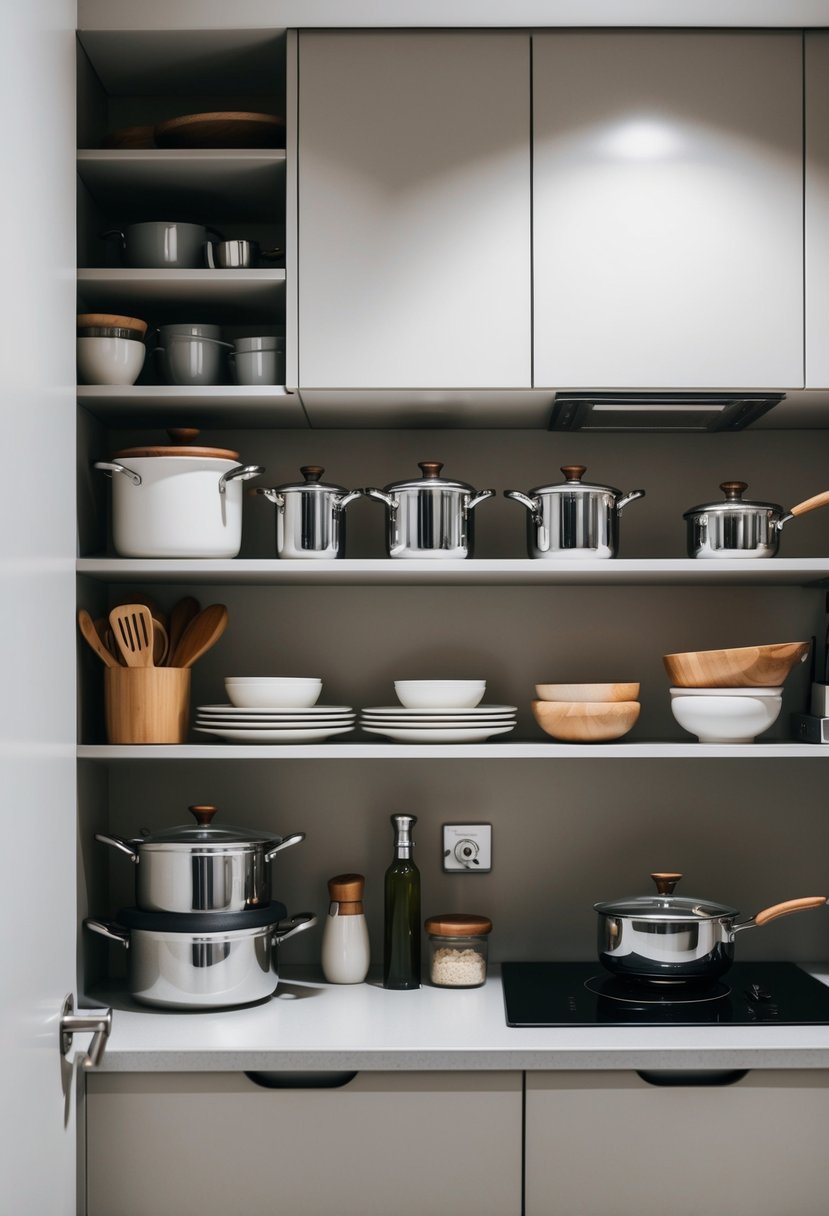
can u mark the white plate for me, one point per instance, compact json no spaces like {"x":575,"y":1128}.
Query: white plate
{"x":396,"y":711}
{"x":472,"y":734}
{"x":286,"y":735}
{"x":280,"y":721}
{"x":326,"y":724}
{"x":233,"y":711}
{"x":423,"y":723}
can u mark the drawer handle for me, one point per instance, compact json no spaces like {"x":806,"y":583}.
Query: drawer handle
{"x":718,"y":1077}
{"x":301,"y":1080}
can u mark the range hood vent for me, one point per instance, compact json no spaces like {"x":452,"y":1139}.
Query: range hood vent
{"x":690,"y":412}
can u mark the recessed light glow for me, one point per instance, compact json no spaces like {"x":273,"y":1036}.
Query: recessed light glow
{"x":642,"y":139}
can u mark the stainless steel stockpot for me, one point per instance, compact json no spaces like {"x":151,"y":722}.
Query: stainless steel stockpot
{"x":573,"y":519}
{"x":738,"y":527}
{"x":202,"y":868}
{"x":668,"y":938}
{"x":173,"y":961}
{"x":430,"y":518}
{"x":310,"y":520}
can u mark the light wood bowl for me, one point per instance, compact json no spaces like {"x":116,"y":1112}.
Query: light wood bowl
{"x":741,"y":667}
{"x":587,"y":692}
{"x":585,"y":721}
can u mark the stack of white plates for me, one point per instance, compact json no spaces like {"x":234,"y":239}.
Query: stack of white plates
{"x":439,"y":725}
{"x":307,"y":725}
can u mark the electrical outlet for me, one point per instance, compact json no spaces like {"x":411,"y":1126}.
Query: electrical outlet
{"x":467,"y":848}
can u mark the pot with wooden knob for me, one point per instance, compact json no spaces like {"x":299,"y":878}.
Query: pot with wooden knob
{"x":573,"y":519}
{"x":739,"y":527}
{"x":431,"y":516}
{"x":310,"y":515}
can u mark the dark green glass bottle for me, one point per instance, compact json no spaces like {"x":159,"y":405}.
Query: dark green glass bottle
{"x":401,"y":942}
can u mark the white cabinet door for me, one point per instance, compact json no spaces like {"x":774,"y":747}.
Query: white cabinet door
{"x":610,"y":1143}
{"x":414,"y":210}
{"x":817,"y":209}
{"x":386,"y":1144}
{"x":667,"y":209}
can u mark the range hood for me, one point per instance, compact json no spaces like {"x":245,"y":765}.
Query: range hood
{"x":691,"y":412}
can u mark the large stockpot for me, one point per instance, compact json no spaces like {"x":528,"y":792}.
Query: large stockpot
{"x":191,"y":962}
{"x":738,"y":527}
{"x":667,"y":938}
{"x":573,"y":519}
{"x":310,"y":519}
{"x":430,"y":518}
{"x":162,"y":244}
{"x":176,"y":501}
{"x":201,"y":868}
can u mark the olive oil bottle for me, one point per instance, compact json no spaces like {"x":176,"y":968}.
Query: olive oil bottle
{"x":401,"y":924}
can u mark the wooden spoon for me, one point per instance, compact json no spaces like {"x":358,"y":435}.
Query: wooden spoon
{"x":132,"y":625}
{"x":203,"y":632}
{"x":161,"y":643}
{"x":181,"y":615}
{"x":90,"y":633}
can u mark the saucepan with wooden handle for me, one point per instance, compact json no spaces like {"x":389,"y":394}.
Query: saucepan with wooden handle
{"x":738,"y":527}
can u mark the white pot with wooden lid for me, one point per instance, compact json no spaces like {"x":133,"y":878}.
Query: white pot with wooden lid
{"x":177,"y":501}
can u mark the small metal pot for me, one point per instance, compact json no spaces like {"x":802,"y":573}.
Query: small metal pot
{"x":310,"y":520}
{"x":175,"y":962}
{"x":737,"y":527}
{"x":573,"y":519}
{"x":237,"y":254}
{"x":430,"y":518}
{"x":200,"y":868}
{"x":669,"y":938}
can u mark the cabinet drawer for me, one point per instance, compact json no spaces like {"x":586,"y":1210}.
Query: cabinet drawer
{"x":612,"y":1144}
{"x":176,"y":1144}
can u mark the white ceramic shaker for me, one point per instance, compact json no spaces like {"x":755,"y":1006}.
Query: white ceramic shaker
{"x":345,"y":945}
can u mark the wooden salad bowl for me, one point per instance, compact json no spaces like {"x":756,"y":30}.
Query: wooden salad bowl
{"x":741,"y":667}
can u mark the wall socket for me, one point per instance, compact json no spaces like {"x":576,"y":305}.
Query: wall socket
{"x":467,"y":848}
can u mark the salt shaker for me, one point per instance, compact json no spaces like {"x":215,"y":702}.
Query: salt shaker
{"x":345,"y":946}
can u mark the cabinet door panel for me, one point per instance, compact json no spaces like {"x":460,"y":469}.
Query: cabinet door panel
{"x":667,"y":204}
{"x":817,"y":209}
{"x":611,"y":1143}
{"x":185,"y":1144}
{"x":414,"y":210}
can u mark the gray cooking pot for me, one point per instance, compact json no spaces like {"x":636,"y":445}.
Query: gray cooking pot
{"x":202,"y":868}
{"x":310,"y":519}
{"x":174,"y":962}
{"x":430,"y":517}
{"x":668,"y":938}
{"x":162,"y":244}
{"x":738,"y":527}
{"x":572,"y":518}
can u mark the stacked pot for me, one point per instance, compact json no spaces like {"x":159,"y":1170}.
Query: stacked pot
{"x":204,"y":930}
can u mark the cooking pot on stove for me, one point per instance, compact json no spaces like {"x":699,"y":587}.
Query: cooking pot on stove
{"x":573,"y":519}
{"x":671,"y":938}
{"x":430,"y":516}
{"x":738,"y":527}
{"x":202,"y":867}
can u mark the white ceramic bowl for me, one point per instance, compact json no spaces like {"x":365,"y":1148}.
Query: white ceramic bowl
{"x":726,"y":715}
{"x":440,"y":694}
{"x":272,"y":692}
{"x":109,"y":360}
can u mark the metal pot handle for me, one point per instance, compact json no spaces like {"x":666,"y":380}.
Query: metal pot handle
{"x":381,"y":496}
{"x":530,"y":503}
{"x":208,"y":255}
{"x":809,"y":504}
{"x":113,"y":932}
{"x":284,"y":843}
{"x":272,"y":495}
{"x":119,"y":843}
{"x":242,"y":472}
{"x":296,"y":924}
{"x":481,"y":496}
{"x":105,"y":236}
{"x":344,"y":499}
{"x":784,"y":909}
{"x":111,"y":466}
{"x":631,"y":496}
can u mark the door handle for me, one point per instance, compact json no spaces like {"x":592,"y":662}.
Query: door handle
{"x":97,"y":1022}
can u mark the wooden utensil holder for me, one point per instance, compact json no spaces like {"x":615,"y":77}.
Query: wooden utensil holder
{"x":146,"y":704}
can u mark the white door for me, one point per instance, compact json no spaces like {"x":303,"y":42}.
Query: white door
{"x":817,"y":208}
{"x":667,"y":209}
{"x":414,"y":210}
{"x":37,"y":653}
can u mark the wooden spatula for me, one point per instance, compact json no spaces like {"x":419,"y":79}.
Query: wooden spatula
{"x":203,"y":632}
{"x":132,"y":625}
{"x":181,"y":615}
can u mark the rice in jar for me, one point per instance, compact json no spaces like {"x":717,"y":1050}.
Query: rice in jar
{"x":458,"y":949}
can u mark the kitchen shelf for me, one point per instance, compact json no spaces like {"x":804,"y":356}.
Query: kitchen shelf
{"x":218,"y":405}
{"x":253,"y":295}
{"x":540,"y":750}
{"x":782,"y":572}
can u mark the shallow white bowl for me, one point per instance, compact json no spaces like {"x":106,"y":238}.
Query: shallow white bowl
{"x":439,"y":694}
{"x":272,"y":692}
{"x":726,"y":715}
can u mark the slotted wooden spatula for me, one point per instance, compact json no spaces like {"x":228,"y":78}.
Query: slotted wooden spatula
{"x":132,"y":625}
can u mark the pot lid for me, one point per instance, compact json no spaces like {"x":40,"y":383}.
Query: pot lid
{"x":430,"y":480}
{"x":202,"y":922}
{"x":312,"y":484}
{"x":204,"y":833}
{"x":458,"y":924}
{"x":665,"y":905}
{"x":734,"y":501}
{"x":180,"y":436}
{"x":574,"y":483}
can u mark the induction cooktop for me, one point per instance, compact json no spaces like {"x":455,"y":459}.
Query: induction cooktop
{"x":582,"y":994}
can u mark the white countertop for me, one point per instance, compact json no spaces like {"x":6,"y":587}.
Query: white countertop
{"x":309,"y":1025}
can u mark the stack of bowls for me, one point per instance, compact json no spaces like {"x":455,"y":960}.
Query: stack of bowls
{"x":731,"y":696}
{"x":439,"y":711}
{"x":586,"y":713}
{"x":274,"y":709}
{"x":110,"y":348}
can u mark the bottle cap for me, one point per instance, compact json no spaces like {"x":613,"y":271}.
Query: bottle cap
{"x":346,"y":888}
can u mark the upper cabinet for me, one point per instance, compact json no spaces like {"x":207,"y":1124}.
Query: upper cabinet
{"x":414,"y":204}
{"x":667,"y":209}
{"x":817,"y":209}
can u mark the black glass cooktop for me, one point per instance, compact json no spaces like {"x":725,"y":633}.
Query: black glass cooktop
{"x":582,"y":994}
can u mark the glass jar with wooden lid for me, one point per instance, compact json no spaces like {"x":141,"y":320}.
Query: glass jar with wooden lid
{"x":458,"y":949}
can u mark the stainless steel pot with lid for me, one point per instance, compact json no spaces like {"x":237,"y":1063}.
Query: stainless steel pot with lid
{"x":739,"y":527}
{"x":431,"y":516}
{"x":573,"y":519}
{"x":309,"y":515}
{"x":202,"y":867}
{"x":667,"y":938}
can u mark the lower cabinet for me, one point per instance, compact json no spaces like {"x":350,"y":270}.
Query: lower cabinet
{"x":615,"y":1144}
{"x":375,"y":1144}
